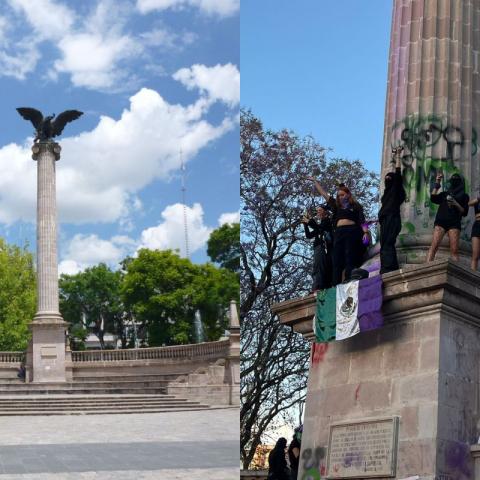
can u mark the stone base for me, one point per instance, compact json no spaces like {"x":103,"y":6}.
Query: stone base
{"x":46,"y":353}
{"x":413,"y":249}
{"x":422,"y":366}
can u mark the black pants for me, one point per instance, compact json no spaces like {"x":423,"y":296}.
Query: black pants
{"x":390,"y":226}
{"x":322,"y":268}
{"x":347,"y":251}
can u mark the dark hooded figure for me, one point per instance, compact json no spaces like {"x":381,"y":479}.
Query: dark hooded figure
{"x":320,"y":229}
{"x":453,"y":206}
{"x":389,"y":216}
{"x":294,"y":452}
{"x":277,"y":463}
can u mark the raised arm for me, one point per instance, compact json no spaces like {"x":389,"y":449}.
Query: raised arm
{"x":437,"y":186}
{"x":319,"y":188}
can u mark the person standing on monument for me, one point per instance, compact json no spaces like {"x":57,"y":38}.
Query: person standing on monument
{"x":277,"y":462}
{"x":350,"y":231}
{"x":475,"y":235}
{"x":389,"y":215}
{"x":453,"y":206}
{"x":321,"y":232}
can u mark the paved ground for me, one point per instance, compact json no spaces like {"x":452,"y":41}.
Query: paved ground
{"x":201,"y":445}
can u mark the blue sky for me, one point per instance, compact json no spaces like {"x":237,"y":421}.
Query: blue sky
{"x":154,"y":78}
{"x":319,"y":67}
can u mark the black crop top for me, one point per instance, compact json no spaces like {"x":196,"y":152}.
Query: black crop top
{"x":446,"y":213}
{"x":353,"y":213}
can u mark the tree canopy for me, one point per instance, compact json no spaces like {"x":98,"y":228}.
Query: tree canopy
{"x":223,"y":246}
{"x":163,"y":291}
{"x":17,"y":296}
{"x":90,"y":301}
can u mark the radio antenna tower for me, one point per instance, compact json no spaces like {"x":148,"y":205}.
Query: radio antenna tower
{"x":185,"y":223}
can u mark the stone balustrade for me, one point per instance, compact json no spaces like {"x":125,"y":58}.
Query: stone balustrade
{"x":12,"y":357}
{"x":207,"y":350}
{"x":200,"y":350}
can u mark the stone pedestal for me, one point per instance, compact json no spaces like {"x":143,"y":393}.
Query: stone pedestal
{"x":46,"y":362}
{"x":421,"y":366}
{"x":433,"y":108}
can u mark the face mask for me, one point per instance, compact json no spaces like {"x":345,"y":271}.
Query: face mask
{"x":455,"y":182}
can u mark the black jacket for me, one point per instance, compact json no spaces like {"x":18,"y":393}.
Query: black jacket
{"x":393,"y":196}
{"x":321,"y":232}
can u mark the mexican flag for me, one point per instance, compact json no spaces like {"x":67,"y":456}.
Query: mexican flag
{"x":349,"y":308}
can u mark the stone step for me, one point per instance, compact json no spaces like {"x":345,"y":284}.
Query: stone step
{"x":24,"y":390}
{"x":115,"y":407}
{"x":94,"y":404}
{"x":48,"y":401}
{"x":97,"y":412}
{"x":76,"y":384}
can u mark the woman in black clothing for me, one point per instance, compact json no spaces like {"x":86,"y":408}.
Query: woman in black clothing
{"x":475,"y":203}
{"x":322,"y":247}
{"x":350,"y":231}
{"x":453,"y":206}
{"x":277,"y":463}
{"x":294,"y":452}
{"x":389,"y":216}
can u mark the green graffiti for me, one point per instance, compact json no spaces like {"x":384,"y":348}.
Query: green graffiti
{"x":409,"y":227}
{"x":311,"y":474}
{"x":418,"y":136}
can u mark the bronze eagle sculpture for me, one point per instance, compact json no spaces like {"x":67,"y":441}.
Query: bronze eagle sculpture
{"x":46,"y":127}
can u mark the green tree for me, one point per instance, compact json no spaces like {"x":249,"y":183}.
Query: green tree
{"x":90,"y":300}
{"x":214,"y":289}
{"x":17,"y":296}
{"x":163,"y":291}
{"x":223,"y":246}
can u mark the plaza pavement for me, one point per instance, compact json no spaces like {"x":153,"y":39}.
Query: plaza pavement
{"x":193,"y":445}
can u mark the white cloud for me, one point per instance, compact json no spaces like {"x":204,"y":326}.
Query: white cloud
{"x":167,"y":39}
{"x":221,"y":82}
{"x":20,"y":63}
{"x":99,"y":70}
{"x":93,"y":49}
{"x":85,"y":251}
{"x":222,"y":8}
{"x":101,"y":171}
{"x":170,"y":234}
{"x":233,"y":217}
{"x":51,"y":20}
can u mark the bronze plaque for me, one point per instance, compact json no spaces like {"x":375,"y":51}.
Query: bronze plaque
{"x":363,"y":449}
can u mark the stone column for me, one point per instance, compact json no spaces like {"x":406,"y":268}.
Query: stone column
{"x":233,"y":364}
{"x":433,"y":108}
{"x":48,"y":327}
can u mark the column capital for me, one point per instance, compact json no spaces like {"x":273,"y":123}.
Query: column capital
{"x":47,"y":146}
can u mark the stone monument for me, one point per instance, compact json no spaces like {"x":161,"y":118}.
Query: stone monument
{"x":403,"y":401}
{"x":46,"y":351}
{"x":433,"y":109}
